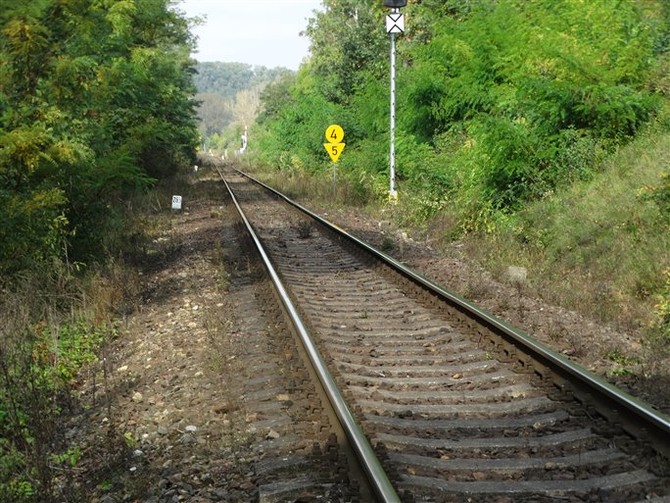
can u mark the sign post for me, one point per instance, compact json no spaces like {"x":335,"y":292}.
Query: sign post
{"x":334,"y":147}
{"x":395,"y":24}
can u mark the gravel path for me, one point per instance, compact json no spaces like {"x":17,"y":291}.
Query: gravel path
{"x":165,"y":420}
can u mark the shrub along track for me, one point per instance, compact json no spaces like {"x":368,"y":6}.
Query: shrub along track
{"x":456,"y":414}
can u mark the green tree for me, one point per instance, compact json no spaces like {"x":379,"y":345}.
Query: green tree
{"x":348,"y":40}
{"x":95,"y":101}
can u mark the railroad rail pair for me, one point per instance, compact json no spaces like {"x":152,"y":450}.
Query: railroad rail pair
{"x":437,"y":399}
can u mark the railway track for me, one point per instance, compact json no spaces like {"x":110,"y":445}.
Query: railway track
{"x":456,"y":405}
{"x":292,"y":442}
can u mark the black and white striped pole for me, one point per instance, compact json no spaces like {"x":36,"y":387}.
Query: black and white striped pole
{"x":395,"y":24}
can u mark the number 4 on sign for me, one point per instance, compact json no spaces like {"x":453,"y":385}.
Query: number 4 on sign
{"x":334,"y":150}
{"x":334,"y":133}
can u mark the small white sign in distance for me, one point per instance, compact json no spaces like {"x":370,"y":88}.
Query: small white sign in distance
{"x":176,"y":202}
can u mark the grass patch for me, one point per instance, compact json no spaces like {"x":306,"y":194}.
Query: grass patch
{"x":597,"y":247}
{"x":56,"y":322}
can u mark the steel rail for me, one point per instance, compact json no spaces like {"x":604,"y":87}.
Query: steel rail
{"x":377,"y":477}
{"x":657,"y":422}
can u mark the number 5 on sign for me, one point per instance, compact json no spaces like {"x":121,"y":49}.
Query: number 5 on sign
{"x":334,"y":150}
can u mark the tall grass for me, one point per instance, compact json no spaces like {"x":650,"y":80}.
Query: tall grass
{"x":599,"y":247}
{"x":56,"y":320}
{"x":332,"y":186}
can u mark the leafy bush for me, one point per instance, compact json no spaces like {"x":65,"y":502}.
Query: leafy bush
{"x":298,"y":128}
{"x":32,"y":229}
{"x":540,"y":91}
{"x":95,"y":101}
{"x":499,"y":102}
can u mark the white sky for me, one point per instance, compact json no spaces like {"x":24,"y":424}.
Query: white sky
{"x":257,"y":32}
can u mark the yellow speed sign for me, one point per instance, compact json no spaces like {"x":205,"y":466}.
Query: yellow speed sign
{"x":334,"y":134}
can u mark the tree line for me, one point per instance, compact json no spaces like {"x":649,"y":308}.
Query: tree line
{"x":229,"y":99}
{"x":96,"y":103}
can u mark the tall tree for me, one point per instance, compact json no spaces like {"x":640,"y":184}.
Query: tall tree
{"x":347,"y":40}
{"x":95,"y":101}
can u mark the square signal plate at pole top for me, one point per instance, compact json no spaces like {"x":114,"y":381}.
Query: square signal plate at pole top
{"x":395,"y":23}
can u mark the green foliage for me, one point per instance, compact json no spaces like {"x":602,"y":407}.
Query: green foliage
{"x":76,"y":345}
{"x":130,"y":440}
{"x":70,"y":458}
{"x":14,"y":486}
{"x":499,"y":102}
{"x":17,"y":491}
{"x":298,"y":127}
{"x":600,"y":246}
{"x":526,"y":81}
{"x":84,"y":85}
{"x":347,"y":40}
{"x":39,"y":215}
{"x":275,"y":97}
{"x":622,"y":363}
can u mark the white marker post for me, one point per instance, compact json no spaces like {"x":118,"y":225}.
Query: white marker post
{"x":245,"y":138}
{"x":395,"y":24}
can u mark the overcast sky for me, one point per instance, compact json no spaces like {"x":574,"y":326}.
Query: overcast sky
{"x":257,"y":32}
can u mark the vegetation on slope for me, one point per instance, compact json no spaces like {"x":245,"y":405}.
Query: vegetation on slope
{"x":600,"y":246}
{"x":538,"y":131}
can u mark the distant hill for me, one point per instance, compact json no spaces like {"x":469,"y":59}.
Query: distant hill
{"x":229,"y":93}
{"x":227,"y":79}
